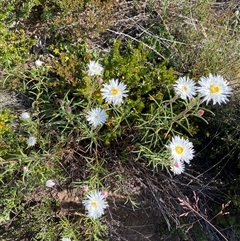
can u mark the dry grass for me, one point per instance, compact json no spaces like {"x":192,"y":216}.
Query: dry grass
{"x":200,"y":36}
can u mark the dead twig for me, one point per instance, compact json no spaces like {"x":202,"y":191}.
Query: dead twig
{"x":187,"y":205}
{"x":134,"y":39}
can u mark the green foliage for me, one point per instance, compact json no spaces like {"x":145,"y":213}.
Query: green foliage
{"x":67,"y":69}
{"x":66,"y":77}
{"x":26,"y":8}
{"x":159,"y":39}
{"x":6,"y":10}
{"x":93,"y":229}
{"x":5,"y":121}
{"x":9,"y":202}
{"x":17,"y":9}
{"x":132,"y":65}
{"x":14,"y":46}
{"x":8,"y":141}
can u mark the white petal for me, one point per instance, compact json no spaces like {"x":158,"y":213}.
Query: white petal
{"x":185,"y":88}
{"x":94,"y":68}
{"x":114,"y":92}
{"x":95,"y":204}
{"x":181,"y":149}
{"x":214,"y":88}
{"x":31,"y":141}
{"x":177,"y":167}
{"x":96,"y":116}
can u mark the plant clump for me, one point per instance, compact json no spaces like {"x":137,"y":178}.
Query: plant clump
{"x":123,"y":129}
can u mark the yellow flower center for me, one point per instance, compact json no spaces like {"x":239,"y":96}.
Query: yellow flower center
{"x":184,"y":88}
{"x":179,"y":149}
{"x":94,"y":204}
{"x":214,"y":89}
{"x":114,"y":91}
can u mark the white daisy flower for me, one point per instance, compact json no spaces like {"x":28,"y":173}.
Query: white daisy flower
{"x":177,"y":167}
{"x":39,"y":63}
{"x":66,"y":239}
{"x":94,"y":68}
{"x":31,"y":141}
{"x":25,"y":116}
{"x":96,"y":116}
{"x":114,"y":92}
{"x":50,"y":183}
{"x":214,"y":88}
{"x":95,"y":204}
{"x":185,"y":88}
{"x":181,"y":149}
